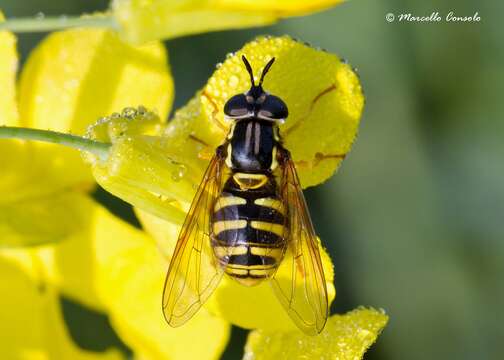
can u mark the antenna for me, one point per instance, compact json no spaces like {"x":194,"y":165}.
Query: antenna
{"x":266,"y":69}
{"x":249,"y":69}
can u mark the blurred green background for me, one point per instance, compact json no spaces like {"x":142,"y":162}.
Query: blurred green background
{"x":414,"y":218}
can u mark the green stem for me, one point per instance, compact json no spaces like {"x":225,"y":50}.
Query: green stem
{"x":97,"y":148}
{"x":41,"y":24}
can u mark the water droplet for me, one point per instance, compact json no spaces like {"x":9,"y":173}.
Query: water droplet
{"x":233,"y":81}
{"x":117,"y":129}
{"x":229,"y":55}
{"x":179,"y":173}
{"x":62,"y":19}
{"x":218,"y":65}
{"x":40,"y":15}
{"x":142,"y":110}
{"x":129,"y":113}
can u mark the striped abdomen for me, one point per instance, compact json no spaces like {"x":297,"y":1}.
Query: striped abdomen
{"x":248,"y":227}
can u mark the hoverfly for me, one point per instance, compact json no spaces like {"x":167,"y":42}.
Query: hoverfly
{"x":248,"y":218}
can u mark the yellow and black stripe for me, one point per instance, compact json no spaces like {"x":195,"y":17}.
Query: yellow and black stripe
{"x":248,"y":227}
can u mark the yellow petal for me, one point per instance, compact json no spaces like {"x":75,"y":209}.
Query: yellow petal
{"x":75,"y":265}
{"x":114,"y":267}
{"x":323,"y":94}
{"x":154,"y":173}
{"x":32,"y":325}
{"x":143,"y":20}
{"x":45,"y":219}
{"x":345,"y":337}
{"x":164,"y":232}
{"x":282,"y":8}
{"x":70,"y":80}
{"x":8,"y":68}
{"x":37,"y":188}
{"x":136,"y":283}
{"x":259,"y":308}
{"x":74,"y":77}
{"x":131,"y":284}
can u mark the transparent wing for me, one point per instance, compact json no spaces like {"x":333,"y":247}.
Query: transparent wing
{"x":299,"y":282}
{"x":194,"y":271}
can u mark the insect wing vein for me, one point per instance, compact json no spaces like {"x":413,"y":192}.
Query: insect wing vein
{"x":193,"y":273}
{"x":303,"y":294}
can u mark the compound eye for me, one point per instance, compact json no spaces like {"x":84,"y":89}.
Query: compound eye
{"x":237,"y":106}
{"x":273,"y":108}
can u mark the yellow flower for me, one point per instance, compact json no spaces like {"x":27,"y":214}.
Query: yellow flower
{"x":139,"y":21}
{"x":75,"y":76}
{"x":32,"y":325}
{"x":157,"y":168}
{"x":97,"y":260}
{"x":345,"y":337}
{"x":144,"y":20}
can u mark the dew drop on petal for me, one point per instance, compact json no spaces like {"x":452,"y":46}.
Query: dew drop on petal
{"x":179,"y":173}
{"x":141,"y":110}
{"x":117,"y":129}
{"x":129,"y":113}
{"x":233,"y":81}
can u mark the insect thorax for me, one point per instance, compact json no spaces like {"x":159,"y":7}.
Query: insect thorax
{"x":252,"y":146}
